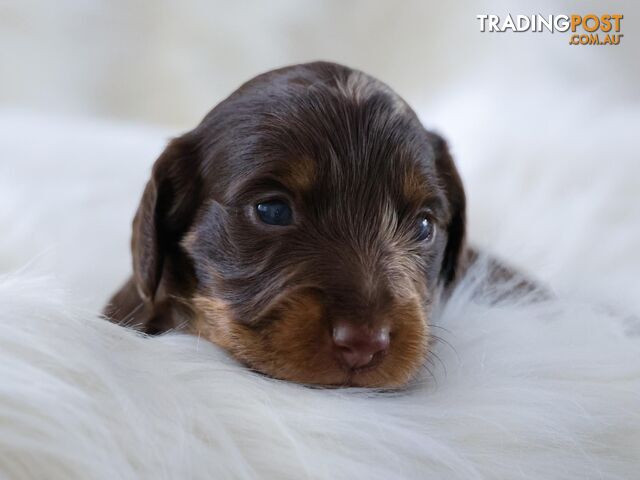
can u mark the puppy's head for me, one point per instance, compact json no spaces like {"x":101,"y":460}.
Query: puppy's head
{"x":306,"y":226}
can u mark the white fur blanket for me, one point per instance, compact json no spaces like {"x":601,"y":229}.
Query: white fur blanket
{"x":546,"y":391}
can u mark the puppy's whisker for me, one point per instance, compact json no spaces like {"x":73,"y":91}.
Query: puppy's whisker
{"x":438,"y":339}
{"x":444,"y":367}
{"x":433,"y":377}
{"x":441,"y":328}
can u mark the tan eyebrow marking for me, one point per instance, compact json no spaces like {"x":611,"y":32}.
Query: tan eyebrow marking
{"x":300,"y":173}
{"x":412,"y":186}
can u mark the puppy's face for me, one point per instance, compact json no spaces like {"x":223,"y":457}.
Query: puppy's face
{"x":307,"y":226}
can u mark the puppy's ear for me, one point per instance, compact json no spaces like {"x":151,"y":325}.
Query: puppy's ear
{"x":165,"y":212}
{"x":452,"y":261}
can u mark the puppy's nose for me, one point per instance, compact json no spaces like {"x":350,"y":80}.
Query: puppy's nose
{"x":356,"y":344}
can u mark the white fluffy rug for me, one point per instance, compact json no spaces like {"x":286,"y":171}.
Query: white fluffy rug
{"x":546,"y":391}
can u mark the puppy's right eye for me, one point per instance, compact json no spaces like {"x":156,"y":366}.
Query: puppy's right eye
{"x":274,"y":212}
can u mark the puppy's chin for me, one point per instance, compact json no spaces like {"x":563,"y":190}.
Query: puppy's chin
{"x":295,"y":344}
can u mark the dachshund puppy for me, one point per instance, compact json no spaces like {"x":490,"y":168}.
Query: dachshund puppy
{"x":308,"y":225}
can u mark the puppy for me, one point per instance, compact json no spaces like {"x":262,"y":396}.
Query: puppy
{"x":307,"y":226}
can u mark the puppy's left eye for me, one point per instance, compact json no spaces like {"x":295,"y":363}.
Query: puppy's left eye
{"x":274,"y":212}
{"x":425,"y":229}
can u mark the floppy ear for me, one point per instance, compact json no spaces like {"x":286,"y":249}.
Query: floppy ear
{"x":165,"y":213}
{"x":452,"y":261}
{"x":458,"y":256}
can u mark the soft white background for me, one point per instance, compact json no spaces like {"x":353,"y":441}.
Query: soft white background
{"x":169,"y":62}
{"x":545,"y":135}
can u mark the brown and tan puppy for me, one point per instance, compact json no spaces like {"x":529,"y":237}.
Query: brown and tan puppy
{"x":307,"y":226}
